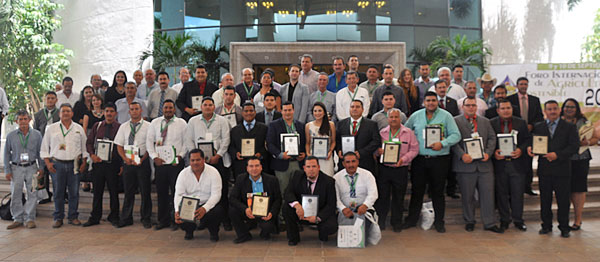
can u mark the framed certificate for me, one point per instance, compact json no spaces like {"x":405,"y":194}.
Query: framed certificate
{"x":586,"y":131}
{"x":320,"y":147}
{"x":231,"y":119}
{"x":391,"y":153}
{"x":197,"y":102}
{"x":260,"y":206}
{"x":348,"y":144}
{"x":104,"y":149}
{"x":248,"y":147}
{"x":433,"y":134}
{"x":290,"y":144}
{"x":310,"y":204}
{"x":506,"y":144}
{"x":167,"y":154}
{"x":133,"y":152}
{"x":540,"y":145}
{"x":474,"y":148}
{"x":208,"y":148}
{"x":187,"y":208}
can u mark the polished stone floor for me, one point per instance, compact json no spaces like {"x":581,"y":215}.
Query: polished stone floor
{"x":134,"y":243}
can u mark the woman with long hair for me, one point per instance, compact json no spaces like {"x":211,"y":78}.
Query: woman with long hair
{"x":83,"y":105}
{"x":321,"y":127}
{"x":117,"y":90}
{"x":266,"y":86}
{"x":96,"y":114}
{"x":580,"y":163}
{"x":411,"y":91}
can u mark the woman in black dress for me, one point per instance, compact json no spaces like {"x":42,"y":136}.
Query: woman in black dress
{"x":117,"y":90}
{"x":83,"y":105}
{"x":96,"y":114}
{"x":580,"y":163}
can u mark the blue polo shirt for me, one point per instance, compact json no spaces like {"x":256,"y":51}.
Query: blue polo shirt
{"x":418,"y":121}
{"x":333,"y":87}
{"x":257,"y":186}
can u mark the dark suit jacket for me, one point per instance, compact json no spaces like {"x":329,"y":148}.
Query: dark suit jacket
{"x":276,"y":128}
{"x":523,"y":141}
{"x":239,"y":201}
{"x":189,"y":90}
{"x":258,"y":132}
{"x":324,"y":188}
{"x":564,"y":143}
{"x":452,"y":106}
{"x":534,"y":114}
{"x":241,"y":90}
{"x":40,"y":122}
{"x":260,"y":116}
{"x":491,"y":113}
{"x":367,"y":140}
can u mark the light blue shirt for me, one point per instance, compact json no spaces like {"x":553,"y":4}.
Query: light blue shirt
{"x":257,"y":186}
{"x":418,"y":121}
{"x":252,"y":124}
{"x":552,"y":127}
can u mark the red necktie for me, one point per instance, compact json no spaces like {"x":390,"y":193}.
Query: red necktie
{"x":354,"y":127}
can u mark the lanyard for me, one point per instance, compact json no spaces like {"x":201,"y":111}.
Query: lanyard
{"x":148,"y":90}
{"x":231,"y":111}
{"x":134,"y":130}
{"x":208,"y":123}
{"x":251,"y":89}
{"x":322,"y":96}
{"x":396,"y":134}
{"x":63,"y":131}
{"x":289,"y":129}
{"x":352,"y":96}
{"x":352,"y":184}
{"x":167,"y":125}
{"x":24,"y":143}
{"x":46,"y":114}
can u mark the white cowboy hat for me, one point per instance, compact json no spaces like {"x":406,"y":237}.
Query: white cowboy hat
{"x":486,"y":78}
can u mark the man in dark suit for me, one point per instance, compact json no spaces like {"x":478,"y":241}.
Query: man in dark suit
{"x":554,"y":168}
{"x":198,"y":87}
{"x":509,"y":171}
{"x":311,"y":181}
{"x":41,"y":119}
{"x":365,"y":133}
{"x":249,"y":128}
{"x":270,"y":114}
{"x":254,"y":182}
{"x":449,"y":104}
{"x":285,"y":165}
{"x":499,"y":92}
{"x":528,"y":108}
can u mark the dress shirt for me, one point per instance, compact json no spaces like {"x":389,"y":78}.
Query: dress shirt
{"x":410,"y":146}
{"x":198,"y":129}
{"x":98,"y":132}
{"x":365,"y":185}
{"x":177,"y":87}
{"x":4,"y":106}
{"x":218,"y":98}
{"x":454,"y":91}
{"x":122,"y":138}
{"x":357,"y":124}
{"x":418,"y":121}
{"x":257,"y":186}
{"x":62,"y":98}
{"x":521,"y":99}
{"x":311,"y":184}
{"x":481,"y":106}
{"x":377,"y":103}
{"x":327,"y":98}
{"x":371,"y":87}
{"x":491,"y":101}
{"x":207,"y":189}
{"x":259,"y":99}
{"x":175,"y":135}
{"x":335,"y":87}
{"x":74,"y":141}
{"x":381,"y":118}
{"x":123,"y":109}
{"x":423,"y":87}
{"x":143,"y":90}
{"x":154,"y":100}
{"x":252,"y":124}
{"x":13,"y":148}
{"x":343,"y":100}
{"x":462,"y":82}
{"x":309,"y":79}
{"x":552,"y":126}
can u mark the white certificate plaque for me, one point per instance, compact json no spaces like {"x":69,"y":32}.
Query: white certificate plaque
{"x":248,"y":147}
{"x":474,"y":148}
{"x":197,"y":102}
{"x":506,"y":144}
{"x":310,"y":204}
{"x":290,"y":144}
{"x":207,"y":148}
{"x":187,"y":208}
{"x":540,"y":145}
{"x":348,"y":144}
{"x":320,"y":147}
{"x":104,"y":149}
{"x":433,"y":134}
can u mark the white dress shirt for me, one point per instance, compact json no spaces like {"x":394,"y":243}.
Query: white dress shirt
{"x":175,"y":134}
{"x":366,"y":189}
{"x":64,"y":147}
{"x":481,"y":106}
{"x":122,"y":137}
{"x":217,"y":96}
{"x":207,"y":188}
{"x":177,"y":87}
{"x":218,"y":134}
{"x":123,"y":109}
{"x":62,"y":98}
{"x":454,"y":91}
{"x":343,"y":99}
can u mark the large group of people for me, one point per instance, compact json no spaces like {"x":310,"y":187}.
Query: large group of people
{"x":190,"y":141}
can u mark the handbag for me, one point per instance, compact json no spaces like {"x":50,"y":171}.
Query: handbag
{"x":5,"y":207}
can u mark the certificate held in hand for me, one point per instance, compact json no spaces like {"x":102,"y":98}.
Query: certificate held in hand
{"x":248,"y":147}
{"x":474,"y":148}
{"x":187,"y":208}
{"x":310,"y":204}
{"x":197,"y":102}
{"x":540,"y":145}
{"x":290,"y":145}
{"x":433,"y":134}
{"x":320,"y":148}
{"x":391,"y":153}
{"x":104,"y":149}
{"x":506,"y":144}
{"x":207,"y":148}
{"x":348,"y":144}
{"x":260,"y":206}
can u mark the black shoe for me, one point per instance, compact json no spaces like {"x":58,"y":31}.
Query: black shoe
{"x":324,"y":239}
{"x":292,"y":243}
{"x":453,"y":195}
{"x":45,"y":201}
{"x":147,"y":224}
{"x":174,"y":227}
{"x":227,"y":227}
{"x":115,"y":223}
{"x":504,"y":225}
{"x":575,"y":227}
{"x":470,"y":227}
{"x":531,"y":193}
{"x":159,"y":226}
{"x":521,"y":226}
{"x":397,"y":228}
{"x":124,"y":224}
{"x":243,"y":239}
{"x":214,"y":238}
{"x":90,"y":223}
{"x":440,"y":228}
{"x":495,"y":229}
{"x":189,"y":235}
{"x":545,"y":231}
{"x":201,"y":226}
{"x":407,"y":225}
{"x":565,"y":233}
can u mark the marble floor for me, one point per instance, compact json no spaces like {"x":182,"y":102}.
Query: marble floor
{"x":134,"y":243}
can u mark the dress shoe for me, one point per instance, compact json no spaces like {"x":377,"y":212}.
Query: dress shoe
{"x":454,"y":196}
{"x":565,"y":233}
{"x":440,"y":228}
{"x":214,"y":238}
{"x":521,"y":226}
{"x":227,"y":227}
{"x":470,"y":227}
{"x":242,"y":239}
{"x":30,"y":224}
{"x":14,"y":225}
{"x":189,"y":235}
{"x":74,"y":222}
{"x":407,"y":225}
{"x":504,"y":225}
{"x":174,"y":227}
{"x":575,"y":227}
{"x":90,"y":223}
{"x":397,"y":228}
{"x":531,"y":193}
{"x":159,"y":226}
{"x":292,"y":243}
{"x":324,"y":239}
{"x":57,"y":223}
{"x":45,"y":201}
{"x":545,"y":231}
{"x":147,"y":224}
{"x":495,"y":229}
{"x":124,"y":224}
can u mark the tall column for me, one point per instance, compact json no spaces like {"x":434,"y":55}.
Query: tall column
{"x":173,"y":15}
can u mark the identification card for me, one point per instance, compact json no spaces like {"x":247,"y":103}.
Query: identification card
{"x":24,"y":158}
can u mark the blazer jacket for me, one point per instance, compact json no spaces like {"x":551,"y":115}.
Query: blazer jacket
{"x":564,"y":143}
{"x":276,"y":128}
{"x":258,"y":132}
{"x":452,"y":106}
{"x":260,"y":116}
{"x":300,"y":99}
{"x":523,"y":141}
{"x":486,"y":132}
{"x":367,"y":140}
{"x":534,"y":114}
{"x":238,"y":199}
{"x":189,"y":90}
{"x":324,"y":188}
{"x":40,"y":122}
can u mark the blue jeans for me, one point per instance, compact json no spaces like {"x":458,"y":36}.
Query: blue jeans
{"x":65,"y":180}
{"x":23,"y":176}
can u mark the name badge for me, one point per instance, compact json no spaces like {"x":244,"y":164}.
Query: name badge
{"x":475,"y":135}
{"x":24,"y":158}
{"x":159,"y":141}
{"x":395,"y":140}
{"x":62,"y":147}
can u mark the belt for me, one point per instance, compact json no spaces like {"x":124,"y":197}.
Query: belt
{"x":428,"y":156}
{"x":23,"y":164}
{"x":62,"y":161}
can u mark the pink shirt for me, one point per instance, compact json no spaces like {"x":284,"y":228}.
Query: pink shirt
{"x":521,"y":97}
{"x":410,"y":145}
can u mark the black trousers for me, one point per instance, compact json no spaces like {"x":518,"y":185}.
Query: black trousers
{"x":528,"y":172}
{"x":137,"y":177}
{"x":212,"y":220}
{"x":510,"y":186}
{"x":165,"y":179}
{"x":224,"y":202}
{"x":451,"y":182}
{"x":326,"y":227}
{"x":105,"y":174}
{"x":430,"y":172}
{"x":391,"y":180}
{"x":47,"y":182}
{"x":561,"y":186}
{"x":239,"y":222}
